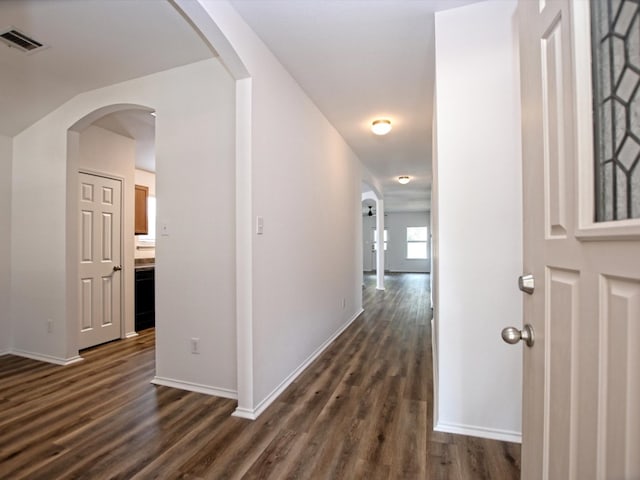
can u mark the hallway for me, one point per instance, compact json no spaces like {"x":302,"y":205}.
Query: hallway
{"x":362,"y":410}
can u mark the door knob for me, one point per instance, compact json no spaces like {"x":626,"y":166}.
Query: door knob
{"x":512,"y":335}
{"x":117,"y":268}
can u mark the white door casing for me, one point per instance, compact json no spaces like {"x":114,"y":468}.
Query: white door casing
{"x":100,"y":245}
{"x":581,"y":411}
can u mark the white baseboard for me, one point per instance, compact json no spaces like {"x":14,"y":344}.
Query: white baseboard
{"x":244,"y":413}
{"x":262,"y":406}
{"x":436,"y":378}
{"x":475,"y":431}
{"x":409,"y":270}
{"x":46,"y":358}
{"x":131,"y":335}
{"x":5,"y":352}
{"x":195,"y":387}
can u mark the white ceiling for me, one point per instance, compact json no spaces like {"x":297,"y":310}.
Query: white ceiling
{"x":356,"y":59}
{"x":92,"y":43}
{"x":359,"y":60}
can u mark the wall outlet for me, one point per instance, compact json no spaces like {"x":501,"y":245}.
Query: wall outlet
{"x":344,"y":303}
{"x":195,"y":346}
{"x":49,"y":325}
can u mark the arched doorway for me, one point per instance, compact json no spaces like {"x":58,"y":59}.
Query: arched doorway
{"x":104,"y":148}
{"x":373,"y":200}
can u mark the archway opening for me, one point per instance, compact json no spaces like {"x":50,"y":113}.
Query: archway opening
{"x":110,"y":157}
{"x":373,"y":222}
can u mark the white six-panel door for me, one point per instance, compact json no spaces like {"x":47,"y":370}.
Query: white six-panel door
{"x":100,"y":278}
{"x":581,"y":412}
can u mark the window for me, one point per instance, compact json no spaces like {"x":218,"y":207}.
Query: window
{"x":375,"y":239}
{"x":416,"y":243}
{"x":149,"y":240}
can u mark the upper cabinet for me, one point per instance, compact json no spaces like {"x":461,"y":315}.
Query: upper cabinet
{"x":142,"y":216}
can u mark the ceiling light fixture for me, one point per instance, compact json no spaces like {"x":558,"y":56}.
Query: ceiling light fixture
{"x":381,"y":126}
{"x":404,"y":179}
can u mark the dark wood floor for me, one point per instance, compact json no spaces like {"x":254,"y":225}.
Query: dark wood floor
{"x":361,"y":411}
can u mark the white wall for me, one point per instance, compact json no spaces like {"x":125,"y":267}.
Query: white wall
{"x":195,"y":198}
{"x":148,"y":179}
{"x":102,"y":151}
{"x":195,"y":269}
{"x":5,"y":242}
{"x":396,"y":255}
{"x":368,"y":255}
{"x":479,"y":190}
{"x":305,"y":183}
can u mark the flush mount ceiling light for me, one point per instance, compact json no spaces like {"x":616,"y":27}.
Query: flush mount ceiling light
{"x":381,"y":126}
{"x":404,"y":179}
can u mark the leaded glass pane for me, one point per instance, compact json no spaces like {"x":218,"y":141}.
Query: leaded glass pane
{"x":615,"y":31}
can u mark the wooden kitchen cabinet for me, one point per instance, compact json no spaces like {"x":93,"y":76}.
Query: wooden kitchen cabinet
{"x":142,"y":216}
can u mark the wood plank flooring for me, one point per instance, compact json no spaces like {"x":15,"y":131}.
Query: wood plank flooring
{"x":363,"y":410}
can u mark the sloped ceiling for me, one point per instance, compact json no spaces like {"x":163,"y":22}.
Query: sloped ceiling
{"x":91,"y":44}
{"x":357,"y":60}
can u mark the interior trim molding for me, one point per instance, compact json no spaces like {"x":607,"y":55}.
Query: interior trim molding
{"x":245,"y":413}
{"x":5,"y":352}
{"x":434,"y":364}
{"x":131,"y":335}
{"x":46,"y":358}
{"x":253,"y":414}
{"x":195,"y":387}
{"x":482,"y":432}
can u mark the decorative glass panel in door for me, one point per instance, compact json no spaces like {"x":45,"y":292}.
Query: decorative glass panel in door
{"x":615,"y":33}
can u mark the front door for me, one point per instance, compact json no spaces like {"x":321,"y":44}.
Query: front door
{"x":100,"y":279}
{"x":581,"y":412}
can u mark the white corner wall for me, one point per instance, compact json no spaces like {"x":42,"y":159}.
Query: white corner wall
{"x":5,"y":242}
{"x":196,"y":261}
{"x":195,"y":269}
{"x":305,"y":184}
{"x":479,"y":221}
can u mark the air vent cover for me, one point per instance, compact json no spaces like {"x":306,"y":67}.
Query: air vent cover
{"x":16,"y":39}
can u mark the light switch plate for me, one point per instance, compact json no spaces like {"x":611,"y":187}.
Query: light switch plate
{"x":259,"y":225}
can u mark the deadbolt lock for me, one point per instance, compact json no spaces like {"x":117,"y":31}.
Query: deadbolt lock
{"x":526,"y":283}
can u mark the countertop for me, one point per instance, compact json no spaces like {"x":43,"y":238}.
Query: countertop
{"x":144,"y":263}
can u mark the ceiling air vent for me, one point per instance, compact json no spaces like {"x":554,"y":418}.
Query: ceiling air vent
{"x":16,"y":39}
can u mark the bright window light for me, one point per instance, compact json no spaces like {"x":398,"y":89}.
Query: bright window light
{"x":417,"y":238}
